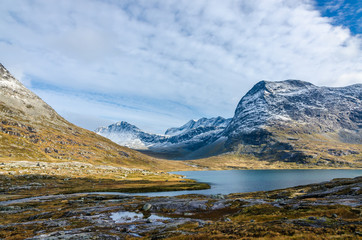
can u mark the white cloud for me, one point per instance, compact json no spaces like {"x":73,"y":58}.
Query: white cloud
{"x":204,"y":54}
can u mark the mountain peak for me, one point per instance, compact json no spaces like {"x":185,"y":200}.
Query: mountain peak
{"x":120,"y":126}
{"x":2,"y":68}
{"x":23,"y":101}
{"x":289,"y":85}
{"x":8,"y":82}
{"x":124,"y":124}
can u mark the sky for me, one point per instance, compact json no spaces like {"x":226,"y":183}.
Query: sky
{"x":159,"y":63}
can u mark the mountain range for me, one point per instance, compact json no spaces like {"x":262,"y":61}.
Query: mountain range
{"x":289,"y":120}
{"x":175,"y":143}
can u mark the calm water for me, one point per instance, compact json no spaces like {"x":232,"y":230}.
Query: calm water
{"x":236,"y":181}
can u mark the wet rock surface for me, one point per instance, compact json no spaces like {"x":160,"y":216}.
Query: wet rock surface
{"x":330,"y":209}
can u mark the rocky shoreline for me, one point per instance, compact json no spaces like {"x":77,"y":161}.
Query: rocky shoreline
{"x":329,"y":210}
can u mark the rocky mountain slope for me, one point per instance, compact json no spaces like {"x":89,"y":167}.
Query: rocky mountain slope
{"x":318,"y":109}
{"x":294,"y":120}
{"x":176,"y":143}
{"x":31,"y":130}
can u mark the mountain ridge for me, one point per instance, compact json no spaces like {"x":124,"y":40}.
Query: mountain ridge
{"x":183,"y":137}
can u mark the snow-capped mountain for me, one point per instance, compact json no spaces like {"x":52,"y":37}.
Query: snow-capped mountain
{"x":294,"y":102}
{"x":176,"y":141}
{"x":128,"y":135}
{"x":294,"y":120}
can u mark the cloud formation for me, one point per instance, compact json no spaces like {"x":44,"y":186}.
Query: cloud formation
{"x":160,"y":63}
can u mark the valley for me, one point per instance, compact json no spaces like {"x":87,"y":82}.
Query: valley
{"x":180,"y":120}
{"x":60,"y":181}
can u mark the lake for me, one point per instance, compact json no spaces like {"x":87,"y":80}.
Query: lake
{"x":233,"y":181}
{"x":237,"y":181}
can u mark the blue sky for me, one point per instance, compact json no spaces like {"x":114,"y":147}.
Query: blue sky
{"x":158,"y":64}
{"x":347,"y":13}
